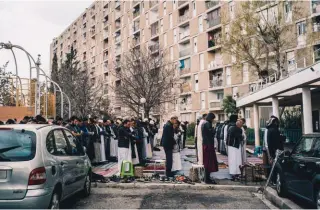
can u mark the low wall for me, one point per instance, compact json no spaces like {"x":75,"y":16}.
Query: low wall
{"x":11,"y":112}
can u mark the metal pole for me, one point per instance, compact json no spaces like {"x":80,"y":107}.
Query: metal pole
{"x":55,"y":100}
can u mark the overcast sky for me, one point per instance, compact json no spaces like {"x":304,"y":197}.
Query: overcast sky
{"x":33,"y":25}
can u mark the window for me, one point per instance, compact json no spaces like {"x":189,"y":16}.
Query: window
{"x":203,"y":100}
{"x":245,"y":72}
{"x":164,"y":8}
{"x":17,"y":145}
{"x":171,"y":53}
{"x":170,"y":20}
{"x":287,"y":8}
{"x":301,"y":27}
{"x":76,"y":149}
{"x":228,"y":75}
{"x":307,"y":147}
{"x":231,"y":10}
{"x":195,"y":48}
{"x":175,"y":35}
{"x":194,"y":12}
{"x":221,"y":117}
{"x":165,"y":39}
{"x":291,"y":62}
{"x":60,"y":141}
{"x":196,"y":82}
{"x":220,"y":96}
{"x":200,"y":24}
{"x":201,"y":62}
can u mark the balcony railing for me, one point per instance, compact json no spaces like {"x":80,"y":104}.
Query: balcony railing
{"x":210,"y":4}
{"x":214,"y":22}
{"x":181,"y":2}
{"x":185,"y":71}
{"x":213,"y":42}
{"x":184,"y":52}
{"x":154,"y":48}
{"x":105,"y":34}
{"x":215,"y":64}
{"x":117,"y":4}
{"x":216,"y":83}
{"x":154,"y":30}
{"x":117,"y":65}
{"x":105,"y":23}
{"x":184,"y":17}
{"x":118,"y":51}
{"x":215,"y":105}
{"x":118,"y":14}
{"x":136,"y":28}
{"x":184,"y":34}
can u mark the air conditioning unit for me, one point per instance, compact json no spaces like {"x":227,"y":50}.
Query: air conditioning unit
{"x":205,"y":16}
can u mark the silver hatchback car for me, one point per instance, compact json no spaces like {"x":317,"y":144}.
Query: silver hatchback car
{"x":41,"y":165}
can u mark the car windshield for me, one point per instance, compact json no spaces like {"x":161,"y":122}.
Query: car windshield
{"x":308,"y":147}
{"x":17,"y":145}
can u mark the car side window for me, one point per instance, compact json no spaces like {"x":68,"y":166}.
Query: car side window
{"x":76,"y":149}
{"x":61,"y":143}
{"x":305,"y":148}
{"x":50,"y":143}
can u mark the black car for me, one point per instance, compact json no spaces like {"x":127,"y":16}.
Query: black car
{"x":298,"y":172}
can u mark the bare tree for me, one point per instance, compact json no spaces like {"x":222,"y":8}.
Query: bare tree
{"x":143,"y":74}
{"x":86,"y":94}
{"x":259,"y":36}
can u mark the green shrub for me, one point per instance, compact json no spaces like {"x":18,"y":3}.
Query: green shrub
{"x":190,"y":130}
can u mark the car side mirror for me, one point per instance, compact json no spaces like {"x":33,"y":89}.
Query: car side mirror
{"x":286,"y":153}
{"x":85,"y":149}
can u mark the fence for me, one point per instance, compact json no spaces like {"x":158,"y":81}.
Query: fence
{"x":292,"y":135}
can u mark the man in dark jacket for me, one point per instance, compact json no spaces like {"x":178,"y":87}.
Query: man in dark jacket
{"x":273,"y":136}
{"x":168,"y":142}
{"x":210,"y":162}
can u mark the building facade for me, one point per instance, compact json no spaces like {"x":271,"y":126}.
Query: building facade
{"x":191,"y":33}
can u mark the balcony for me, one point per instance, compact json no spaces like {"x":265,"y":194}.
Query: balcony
{"x":184,"y":52}
{"x":215,"y":105}
{"x":181,"y":3}
{"x":210,"y":4}
{"x":136,"y":41}
{"x":154,"y":48}
{"x":214,"y":22}
{"x":136,"y":11}
{"x":184,"y":32}
{"x":105,"y":34}
{"x":216,"y":82}
{"x":184,"y":17}
{"x":185,"y":87}
{"x":315,"y":5}
{"x":118,"y":51}
{"x":184,"y":71}
{"x":105,"y":67}
{"x":117,"y":4}
{"x":154,"y":29}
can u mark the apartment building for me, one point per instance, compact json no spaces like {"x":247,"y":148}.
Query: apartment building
{"x":191,"y":32}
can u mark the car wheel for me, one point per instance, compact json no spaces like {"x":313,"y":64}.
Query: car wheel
{"x":87,"y":185}
{"x":280,"y":185}
{"x":55,"y":201}
{"x":317,"y":199}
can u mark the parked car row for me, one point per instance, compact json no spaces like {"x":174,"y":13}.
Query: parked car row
{"x":41,"y":165}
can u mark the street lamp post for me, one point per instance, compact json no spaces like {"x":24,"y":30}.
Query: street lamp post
{"x":143,"y":101}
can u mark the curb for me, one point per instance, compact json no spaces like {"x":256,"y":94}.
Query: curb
{"x":282,"y":203}
{"x":175,"y":186}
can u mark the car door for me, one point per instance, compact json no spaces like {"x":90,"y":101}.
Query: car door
{"x":66,"y":163}
{"x":299,"y":165}
{"x":77,"y":157}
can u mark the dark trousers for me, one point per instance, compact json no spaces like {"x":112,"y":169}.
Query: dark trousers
{"x":184,"y":140}
{"x":140,"y":149}
{"x":168,"y":162}
{"x":207,"y":175}
{"x":107,"y":147}
{"x":219,"y":142}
